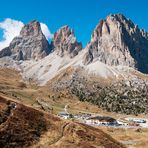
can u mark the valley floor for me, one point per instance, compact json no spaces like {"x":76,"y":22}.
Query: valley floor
{"x":132,"y":135}
{"x":41,"y":98}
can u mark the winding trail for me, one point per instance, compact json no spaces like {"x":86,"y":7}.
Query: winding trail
{"x":60,"y":136}
{"x":65,"y":108}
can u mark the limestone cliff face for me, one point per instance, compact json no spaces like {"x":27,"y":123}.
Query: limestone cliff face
{"x":118,"y":41}
{"x":30,"y":44}
{"x":5,"y":52}
{"x":115,"y":41}
{"x":65,"y":43}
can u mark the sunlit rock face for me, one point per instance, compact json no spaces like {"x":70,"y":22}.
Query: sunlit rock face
{"x":30,"y":44}
{"x":65,"y":42}
{"x":118,"y":41}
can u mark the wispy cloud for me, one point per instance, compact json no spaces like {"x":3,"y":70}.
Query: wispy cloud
{"x":11,"y":28}
{"x":46,"y":31}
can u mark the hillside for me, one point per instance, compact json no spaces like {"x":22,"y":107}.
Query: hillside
{"x":23,"y":126}
{"x":107,"y":72}
{"x":108,"y":77}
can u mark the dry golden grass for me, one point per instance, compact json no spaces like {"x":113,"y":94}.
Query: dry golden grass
{"x":23,"y":126}
{"x":20,"y":126}
{"x":139,"y":137}
{"x":9,"y":77}
{"x":12,"y":86}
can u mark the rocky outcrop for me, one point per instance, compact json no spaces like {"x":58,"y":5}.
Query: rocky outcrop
{"x":65,"y":43}
{"x":30,"y":44}
{"x":118,"y":97}
{"x":5,"y":52}
{"x":118,"y":41}
{"x":128,"y":95}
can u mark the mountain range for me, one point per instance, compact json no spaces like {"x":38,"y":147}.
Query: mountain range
{"x":111,"y":71}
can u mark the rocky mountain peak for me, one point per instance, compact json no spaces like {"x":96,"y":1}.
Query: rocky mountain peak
{"x":31,"y":29}
{"x":30,"y":44}
{"x":113,"y":22}
{"x":118,"y":41}
{"x":65,"y":43}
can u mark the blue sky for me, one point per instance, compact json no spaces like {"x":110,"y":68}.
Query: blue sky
{"x":82,"y":15}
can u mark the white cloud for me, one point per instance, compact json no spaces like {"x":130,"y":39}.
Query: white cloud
{"x":11,"y":28}
{"x":46,"y":31}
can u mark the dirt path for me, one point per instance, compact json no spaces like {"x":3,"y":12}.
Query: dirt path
{"x":65,"y":108}
{"x":7,"y":113}
{"x":61,"y":135}
{"x":46,"y":141}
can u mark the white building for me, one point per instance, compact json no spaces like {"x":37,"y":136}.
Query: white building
{"x":64,"y":115}
{"x":101,"y":120}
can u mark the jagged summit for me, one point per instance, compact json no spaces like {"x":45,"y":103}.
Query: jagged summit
{"x":117,"y":41}
{"x":65,"y":43}
{"x":92,"y":74}
{"x":30,"y":44}
{"x":31,"y":29}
